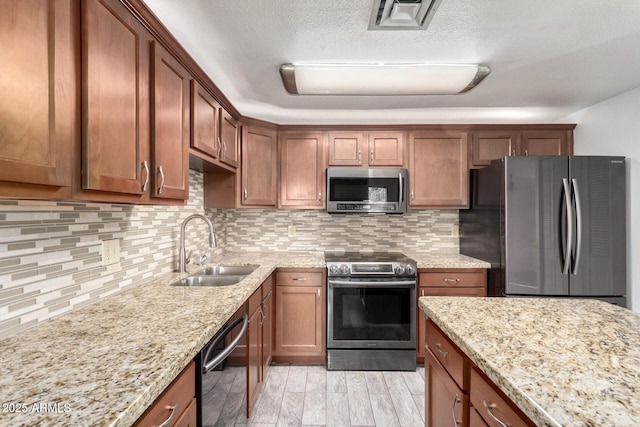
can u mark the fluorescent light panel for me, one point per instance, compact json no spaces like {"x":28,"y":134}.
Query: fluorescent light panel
{"x":381,"y":79}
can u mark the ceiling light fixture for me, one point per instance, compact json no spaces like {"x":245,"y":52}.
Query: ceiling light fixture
{"x":381,"y":79}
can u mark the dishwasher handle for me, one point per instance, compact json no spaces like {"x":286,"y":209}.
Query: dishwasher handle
{"x":208,"y":366}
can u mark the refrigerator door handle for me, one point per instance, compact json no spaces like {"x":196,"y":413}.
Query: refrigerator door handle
{"x":576,"y":193}
{"x":569,"y":245}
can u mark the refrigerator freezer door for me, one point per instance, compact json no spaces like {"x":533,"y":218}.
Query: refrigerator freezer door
{"x":535,"y":226}
{"x":599,"y":263}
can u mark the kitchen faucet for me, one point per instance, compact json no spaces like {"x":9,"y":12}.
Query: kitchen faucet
{"x":212,"y":238}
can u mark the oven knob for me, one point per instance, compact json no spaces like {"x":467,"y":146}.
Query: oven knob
{"x":399,"y":270}
{"x":344,"y":269}
{"x":409,"y":270}
{"x":333,"y":270}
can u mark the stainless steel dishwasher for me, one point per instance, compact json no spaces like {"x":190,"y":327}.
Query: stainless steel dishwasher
{"x":211,"y":356}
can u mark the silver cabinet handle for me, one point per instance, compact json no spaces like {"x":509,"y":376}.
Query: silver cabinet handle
{"x":208,"y":366}
{"x":219,"y":147}
{"x":526,"y":152}
{"x":422,"y":292}
{"x":440,"y":350}
{"x":413,"y":195}
{"x":161,"y":172}
{"x":224,"y":149}
{"x":513,"y":151}
{"x":245,"y":193}
{"x":319,"y":195}
{"x":145,"y":168}
{"x":371,"y":157}
{"x":169,"y":421}
{"x":262,"y":317}
{"x":451,"y":280}
{"x":567,"y":201}
{"x":456,"y":400}
{"x":359,"y":157}
{"x":489,"y":407}
{"x":318,"y":294}
{"x":576,"y":194}
{"x":298,"y":279}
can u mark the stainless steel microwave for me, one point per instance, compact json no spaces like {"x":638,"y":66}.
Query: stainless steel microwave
{"x":366,"y":190}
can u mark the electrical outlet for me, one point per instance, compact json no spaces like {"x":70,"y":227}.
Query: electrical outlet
{"x":291,"y":231}
{"x":110,"y":251}
{"x":455,"y":231}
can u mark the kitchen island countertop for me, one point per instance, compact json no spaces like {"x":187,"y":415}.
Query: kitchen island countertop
{"x":563,"y":362}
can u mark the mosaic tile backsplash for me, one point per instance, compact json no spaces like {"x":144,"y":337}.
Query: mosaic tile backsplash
{"x":50,"y":252}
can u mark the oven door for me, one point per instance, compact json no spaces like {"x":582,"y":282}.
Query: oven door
{"x":371,"y":313}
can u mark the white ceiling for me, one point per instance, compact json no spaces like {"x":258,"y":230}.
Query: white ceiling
{"x":549,"y":58}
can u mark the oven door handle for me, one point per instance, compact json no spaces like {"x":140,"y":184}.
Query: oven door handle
{"x":354,"y":284}
{"x":227,"y":350}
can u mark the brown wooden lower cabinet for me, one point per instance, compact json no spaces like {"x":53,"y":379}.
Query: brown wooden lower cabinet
{"x":457,"y":393}
{"x":464,"y":282}
{"x":300,"y":319}
{"x":445,"y":403}
{"x":177,"y":403}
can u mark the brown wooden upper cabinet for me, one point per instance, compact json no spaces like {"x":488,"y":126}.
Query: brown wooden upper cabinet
{"x":38,"y":83}
{"x":229,"y":138}
{"x":302,"y":169}
{"x":115,"y":140}
{"x":205,"y":121}
{"x":378,"y":148}
{"x":438,"y":172}
{"x":259,"y":166}
{"x":488,"y":145}
{"x":170,"y":125}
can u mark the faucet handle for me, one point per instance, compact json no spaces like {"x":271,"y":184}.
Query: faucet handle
{"x":202,"y":259}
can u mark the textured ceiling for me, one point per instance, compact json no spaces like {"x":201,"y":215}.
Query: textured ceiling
{"x":549,"y":58}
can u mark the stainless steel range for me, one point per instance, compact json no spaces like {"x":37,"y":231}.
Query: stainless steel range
{"x":371,"y":311}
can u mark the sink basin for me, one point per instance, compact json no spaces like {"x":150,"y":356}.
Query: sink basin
{"x":199,"y":280}
{"x":228,"y":270}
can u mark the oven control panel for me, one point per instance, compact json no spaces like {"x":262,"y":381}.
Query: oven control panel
{"x":371,"y":269}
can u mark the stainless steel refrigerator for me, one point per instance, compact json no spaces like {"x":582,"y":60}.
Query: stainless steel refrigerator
{"x":550,"y":226}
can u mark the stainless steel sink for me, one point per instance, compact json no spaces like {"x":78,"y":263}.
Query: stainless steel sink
{"x":198,"y":280}
{"x":217,"y":275}
{"x":226,"y":270}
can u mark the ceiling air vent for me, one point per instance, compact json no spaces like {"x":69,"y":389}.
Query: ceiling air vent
{"x":402,"y":14}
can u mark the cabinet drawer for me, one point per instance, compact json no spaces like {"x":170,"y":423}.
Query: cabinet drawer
{"x":448,"y":354}
{"x":298,"y":278}
{"x":475,"y":419}
{"x":445,"y":403}
{"x":453,"y":292}
{"x":178,"y":395}
{"x":453,"y":278}
{"x":267,"y":286}
{"x":255,"y":300}
{"x":492,"y":405}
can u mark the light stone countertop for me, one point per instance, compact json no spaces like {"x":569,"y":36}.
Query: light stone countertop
{"x":444,"y":260}
{"x":562,"y":362}
{"x":104,"y":364}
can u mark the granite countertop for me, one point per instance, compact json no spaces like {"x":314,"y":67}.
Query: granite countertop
{"x":104,"y":364}
{"x":562,"y":362}
{"x":445,"y":260}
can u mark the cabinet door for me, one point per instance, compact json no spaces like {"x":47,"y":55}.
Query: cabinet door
{"x":302,"y":168}
{"x":346,"y":148}
{"x":490,"y":145}
{"x":205,"y":120}
{"x":438,"y":173}
{"x":115,"y":142}
{"x":170,"y":126}
{"x":538,"y":143}
{"x":475,"y":420}
{"x":386,"y":148}
{"x":445,"y":403}
{"x":38,"y":87}
{"x":299,"y":321}
{"x":254,"y":358}
{"x":267,"y":332}
{"x":259,"y":166}
{"x":229,"y":137}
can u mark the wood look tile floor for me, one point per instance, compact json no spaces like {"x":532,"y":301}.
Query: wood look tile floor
{"x":313,"y":396}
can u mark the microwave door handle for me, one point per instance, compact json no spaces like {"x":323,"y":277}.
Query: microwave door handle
{"x":401,"y":184}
